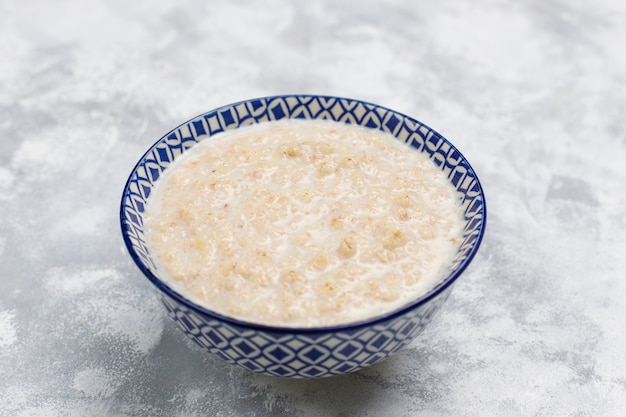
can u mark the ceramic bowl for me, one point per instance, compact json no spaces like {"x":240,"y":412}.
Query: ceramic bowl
{"x":302,"y":352}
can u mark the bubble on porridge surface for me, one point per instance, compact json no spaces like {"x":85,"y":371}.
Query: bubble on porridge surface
{"x":8,"y":334}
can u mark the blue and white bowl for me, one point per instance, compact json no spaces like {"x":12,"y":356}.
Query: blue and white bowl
{"x":302,"y":352}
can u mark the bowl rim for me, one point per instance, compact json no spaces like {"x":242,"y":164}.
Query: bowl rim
{"x":351,"y":326}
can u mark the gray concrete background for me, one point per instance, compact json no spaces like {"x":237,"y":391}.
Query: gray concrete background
{"x":532,"y":92}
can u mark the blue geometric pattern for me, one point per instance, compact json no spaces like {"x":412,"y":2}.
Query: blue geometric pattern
{"x":302,"y":353}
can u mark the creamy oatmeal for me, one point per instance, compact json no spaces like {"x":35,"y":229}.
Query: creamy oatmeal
{"x":303,"y":223}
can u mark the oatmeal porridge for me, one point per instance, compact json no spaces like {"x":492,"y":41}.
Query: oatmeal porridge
{"x":302,"y":223}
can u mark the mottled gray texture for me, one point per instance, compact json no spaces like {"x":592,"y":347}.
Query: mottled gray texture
{"x":533,"y":93}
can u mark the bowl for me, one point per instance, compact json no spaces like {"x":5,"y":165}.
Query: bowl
{"x":302,"y":352}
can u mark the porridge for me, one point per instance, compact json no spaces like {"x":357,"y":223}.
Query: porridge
{"x":302,"y":223}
